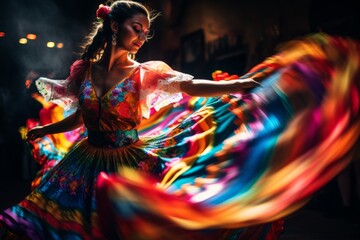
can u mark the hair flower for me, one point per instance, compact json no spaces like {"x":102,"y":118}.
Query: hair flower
{"x":102,"y":12}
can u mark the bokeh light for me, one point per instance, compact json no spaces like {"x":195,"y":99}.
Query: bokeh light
{"x":50,"y":44}
{"x":23,"y":41}
{"x":31,"y":36}
{"x":59,"y":45}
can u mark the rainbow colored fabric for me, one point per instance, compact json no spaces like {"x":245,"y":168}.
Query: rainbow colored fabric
{"x":259,"y":157}
{"x":208,"y":168}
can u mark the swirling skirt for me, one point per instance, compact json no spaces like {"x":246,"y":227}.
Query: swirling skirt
{"x":212,"y":168}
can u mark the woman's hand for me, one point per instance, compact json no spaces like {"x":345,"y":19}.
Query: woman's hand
{"x":71,"y":122}
{"x":34,"y":133}
{"x":247,"y":84}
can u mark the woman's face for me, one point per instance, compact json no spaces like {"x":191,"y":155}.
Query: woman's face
{"x":132,"y":33}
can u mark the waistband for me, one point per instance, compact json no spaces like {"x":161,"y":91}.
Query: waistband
{"x":113,"y":139}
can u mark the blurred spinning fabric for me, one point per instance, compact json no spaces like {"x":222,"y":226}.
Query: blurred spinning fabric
{"x":259,"y":157}
{"x":215,"y":168}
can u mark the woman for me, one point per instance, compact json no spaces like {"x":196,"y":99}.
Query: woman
{"x":111,"y":102}
{"x":199,"y":171}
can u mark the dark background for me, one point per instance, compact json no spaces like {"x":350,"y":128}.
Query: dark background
{"x":194,"y":36}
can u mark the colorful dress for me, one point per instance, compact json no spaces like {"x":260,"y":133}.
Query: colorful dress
{"x":50,"y":149}
{"x":205,"y":168}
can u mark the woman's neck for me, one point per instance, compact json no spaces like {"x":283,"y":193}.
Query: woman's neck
{"x":115,"y":58}
{"x":119,"y":59}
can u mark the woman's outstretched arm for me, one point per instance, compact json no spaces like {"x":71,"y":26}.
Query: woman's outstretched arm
{"x":69,"y":123}
{"x":209,"y":88}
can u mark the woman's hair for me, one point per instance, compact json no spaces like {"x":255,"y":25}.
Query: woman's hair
{"x":100,"y":36}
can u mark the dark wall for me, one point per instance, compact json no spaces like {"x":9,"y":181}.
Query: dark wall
{"x":256,"y":27}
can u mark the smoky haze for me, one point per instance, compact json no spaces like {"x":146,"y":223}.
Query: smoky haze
{"x":58,"y":21}
{"x":52,"y":21}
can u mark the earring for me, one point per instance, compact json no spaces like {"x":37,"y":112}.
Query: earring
{"x":113,"y":38}
{"x":131,"y":56}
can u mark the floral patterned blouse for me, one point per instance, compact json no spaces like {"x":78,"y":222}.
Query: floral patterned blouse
{"x":150,"y":85}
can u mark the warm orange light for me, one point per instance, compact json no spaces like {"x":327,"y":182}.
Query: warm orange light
{"x":2,"y":34}
{"x":59,"y":45}
{"x":50,"y":44}
{"x":23,"y":41}
{"x":28,"y":83}
{"x":31,"y":36}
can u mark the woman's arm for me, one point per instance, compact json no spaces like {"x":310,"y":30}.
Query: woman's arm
{"x":69,"y":123}
{"x":208,"y":88}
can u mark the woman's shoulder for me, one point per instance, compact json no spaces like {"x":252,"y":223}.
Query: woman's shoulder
{"x":157,"y":65}
{"x":79,"y":64}
{"x":78,"y":69}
